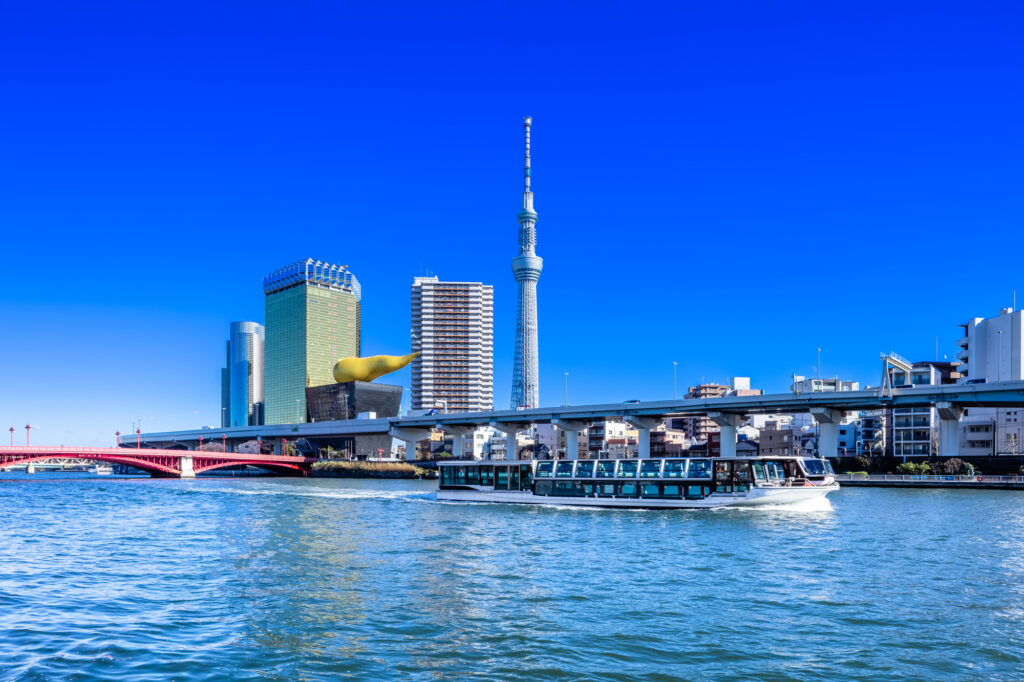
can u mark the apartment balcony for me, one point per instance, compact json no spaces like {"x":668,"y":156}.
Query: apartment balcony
{"x":962,"y":342}
{"x":962,"y":355}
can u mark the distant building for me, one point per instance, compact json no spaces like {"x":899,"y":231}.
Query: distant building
{"x":242,"y":376}
{"x":871,"y":433}
{"x":698,"y":428}
{"x":606,"y":437}
{"x":992,"y":350}
{"x":312,"y":321}
{"x":453,"y":330}
{"x":805,"y":385}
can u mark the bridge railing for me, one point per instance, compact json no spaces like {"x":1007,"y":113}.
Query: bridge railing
{"x":923,"y":478}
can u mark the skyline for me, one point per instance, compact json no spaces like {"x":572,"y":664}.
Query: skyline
{"x":726,"y":196}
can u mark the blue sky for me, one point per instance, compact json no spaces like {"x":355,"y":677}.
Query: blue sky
{"x":727,"y":185}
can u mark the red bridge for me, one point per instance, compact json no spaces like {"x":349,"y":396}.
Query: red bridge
{"x":161,"y":463}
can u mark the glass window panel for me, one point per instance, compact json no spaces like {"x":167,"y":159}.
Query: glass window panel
{"x":628,"y":490}
{"x":563,"y":470}
{"x":501,"y":478}
{"x":699,"y":468}
{"x":651,"y":468}
{"x":606,"y":468}
{"x":651,"y":490}
{"x":544,"y":469}
{"x":672,"y":491}
{"x":674,"y":468}
{"x":585,"y":469}
{"x":627,"y":468}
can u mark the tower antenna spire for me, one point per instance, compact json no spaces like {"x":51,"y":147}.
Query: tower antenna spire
{"x":527,"y":122}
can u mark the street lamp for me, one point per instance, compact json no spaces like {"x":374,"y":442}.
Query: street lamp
{"x":12,"y":436}
{"x":819,"y":364}
{"x":224,"y":441}
{"x":674,"y":366}
{"x":138,"y":439}
{"x":566,"y":388}
{"x":117,"y":439}
{"x":27,"y":427}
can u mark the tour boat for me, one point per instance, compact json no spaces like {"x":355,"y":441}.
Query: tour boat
{"x":102,"y":470}
{"x":656,"y":483}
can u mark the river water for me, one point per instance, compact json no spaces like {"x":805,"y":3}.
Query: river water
{"x":140,"y":579}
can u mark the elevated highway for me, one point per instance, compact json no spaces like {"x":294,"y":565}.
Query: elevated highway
{"x":828,"y":409}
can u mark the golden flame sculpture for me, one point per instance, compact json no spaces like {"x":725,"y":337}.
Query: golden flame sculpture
{"x":368,"y":369}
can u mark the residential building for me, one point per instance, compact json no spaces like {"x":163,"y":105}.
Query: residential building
{"x":667,"y":442}
{"x":453,"y":330}
{"x":698,"y":428}
{"x":871,"y":431}
{"x":992,"y":350}
{"x":914,"y":432}
{"x":242,"y":376}
{"x":605,"y":437}
{"x":312,"y":321}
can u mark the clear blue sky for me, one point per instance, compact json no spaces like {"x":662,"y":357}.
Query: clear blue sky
{"x":727,"y":185}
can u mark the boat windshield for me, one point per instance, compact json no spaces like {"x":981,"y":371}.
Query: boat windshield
{"x":814,"y":467}
{"x":585,"y":469}
{"x":606,"y":468}
{"x":544,"y":469}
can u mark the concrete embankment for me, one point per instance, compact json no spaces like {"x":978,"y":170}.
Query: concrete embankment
{"x":897,"y":481}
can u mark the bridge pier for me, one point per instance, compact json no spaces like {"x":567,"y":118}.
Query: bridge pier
{"x":828,"y":421}
{"x":949,"y":429}
{"x":458,"y":434}
{"x":187,"y":467}
{"x":643,"y":426}
{"x":411,"y":437}
{"x":572,"y":430}
{"x":511,"y":431}
{"x":727,"y":422}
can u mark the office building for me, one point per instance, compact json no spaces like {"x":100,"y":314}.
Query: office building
{"x":526,"y":268}
{"x":914,"y":432}
{"x":242,"y":376}
{"x":312,"y":321}
{"x":453,"y":330}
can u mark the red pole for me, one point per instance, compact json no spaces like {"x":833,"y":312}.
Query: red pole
{"x":12,"y":436}
{"x":117,"y":439}
{"x":138,"y":439}
{"x":200,"y":442}
{"x":224,"y":442}
{"x":27,"y":427}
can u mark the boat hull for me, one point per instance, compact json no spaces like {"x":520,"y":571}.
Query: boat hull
{"x":754,"y":498}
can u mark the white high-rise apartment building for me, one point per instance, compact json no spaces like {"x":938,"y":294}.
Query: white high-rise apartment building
{"x":992,"y":350}
{"x":453,"y":330}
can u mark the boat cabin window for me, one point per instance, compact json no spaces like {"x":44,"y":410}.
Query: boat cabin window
{"x":759,"y":471}
{"x":775,"y":471}
{"x":473,"y":475}
{"x":513,"y":478}
{"x":606,"y":468}
{"x":651,"y":490}
{"x":650,"y":468}
{"x":486,"y":475}
{"x":697,"y":492}
{"x":699,"y":468}
{"x":671,"y":491}
{"x":501,"y":478}
{"x":525,"y":476}
{"x":605,"y":489}
{"x":460,"y":475}
{"x":543,"y":487}
{"x":585,"y":469}
{"x":627,"y":468}
{"x":447,"y":475}
{"x":563,"y":469}
{"x":674,"y":468}
{"x":628,"y":490}
{"x":544,"y":469}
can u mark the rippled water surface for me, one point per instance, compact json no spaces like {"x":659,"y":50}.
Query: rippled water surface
{"x":105,"y":578}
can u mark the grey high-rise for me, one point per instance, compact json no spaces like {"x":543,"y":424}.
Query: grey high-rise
{"x":242,"y":378}
{"x":527,"y":267}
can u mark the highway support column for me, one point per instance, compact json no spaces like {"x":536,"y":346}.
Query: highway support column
{"x":828,"y":420}
{"x":643,"y":426}
{"x":572,"y":430}
{"x":949,"y":428}
{"x":411,"y":438}
{"x":511,"y":430}
{"x":727,"y":422}
{"x":458,"y":434}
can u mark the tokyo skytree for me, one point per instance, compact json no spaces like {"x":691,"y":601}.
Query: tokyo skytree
{"x":527,"y":267}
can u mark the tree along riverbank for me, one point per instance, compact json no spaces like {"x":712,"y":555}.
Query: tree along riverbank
{"x":346,"y":469}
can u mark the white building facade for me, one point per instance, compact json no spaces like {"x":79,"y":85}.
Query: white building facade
{"x":453,"y":330}
{"x":991,"y":350}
